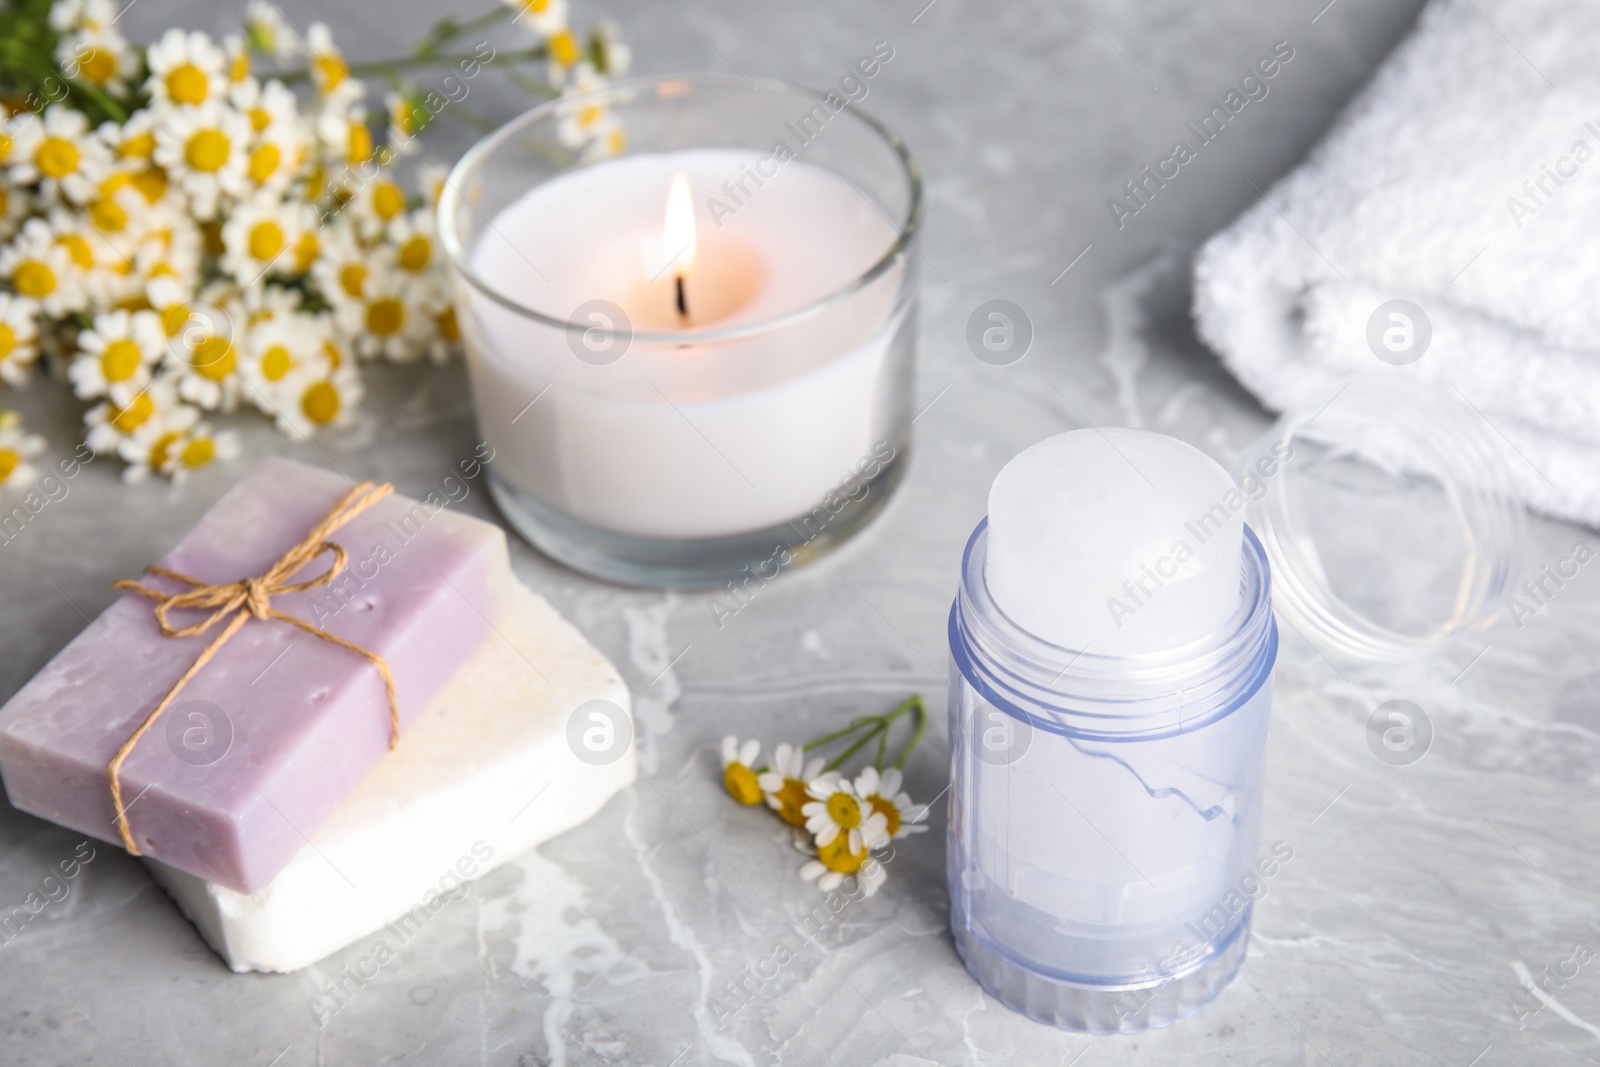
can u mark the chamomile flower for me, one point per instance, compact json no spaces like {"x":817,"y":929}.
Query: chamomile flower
{"x":205,"y":357}
{"x":268,"y":32}
{"x":836,"y":810}
{"x":263,"y":303}
{"x":343,"y":265}
{"x":308,"y":401}
{"x":237,"y":58}
{"x":840,"y":859}
{"x":148,"y":450}
{"x":415,"y":245}
{"x":611,"y":56}
{"x":280,"y":134}
{"x":408,"y":117}
{"x":329,"y":71}
{"x":446,"y":339}
{"x":259,"y":238}
{"x":42,"y":270}
{"x":199,"y":447}
{"x":103,"y":58}
{"x":206,"y":150}
{"x":540,"y":17}
{"x":19,"y":338}
{"x":17,"y":447}
{"x":126,"y":413}
{"x":784,"y":783}
{"x":565,"y":52}
{"x":279,"y":349}
{"x":737,"y":775}
{"x":883,"y":795}
{"x":346,"y":141}
{"x":375,"y":204}
{"x":58,"y":152}
{"x":119,"y":350}
{"x":95,"y":15}
{"x":94,"y":259}
{"x":186,"y":70}
{"x":391,"y":321}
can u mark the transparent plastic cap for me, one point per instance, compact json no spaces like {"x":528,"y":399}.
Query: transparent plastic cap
{"x":1387,"y":514}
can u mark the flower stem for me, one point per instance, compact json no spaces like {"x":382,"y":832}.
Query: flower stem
{"x":919,"y":718}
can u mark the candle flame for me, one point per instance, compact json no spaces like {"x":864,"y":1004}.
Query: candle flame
{"x":677,"y":231}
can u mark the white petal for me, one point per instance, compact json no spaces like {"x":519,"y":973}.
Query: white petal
{"x":812,"y":769}
{"x":730,"y":749}
{"x":770,"y":782}
{"x":748,"y":754}
{"x":813,"y":870}
{"x":891,"y":782}
{"x":826,"y":835}
{"x":855,"y":841}
{"x":867,"y":781}
{"x":830,"y":881}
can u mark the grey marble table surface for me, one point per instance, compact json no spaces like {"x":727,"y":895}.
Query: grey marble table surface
{"x":1415,"y":897}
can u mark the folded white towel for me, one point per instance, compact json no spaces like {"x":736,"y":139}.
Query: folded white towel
{"x":1466,"y":179}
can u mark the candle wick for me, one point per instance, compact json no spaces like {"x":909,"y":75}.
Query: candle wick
{"x":683,"y":300}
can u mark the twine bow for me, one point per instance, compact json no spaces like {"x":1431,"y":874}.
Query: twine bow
{"x":241,"y":601}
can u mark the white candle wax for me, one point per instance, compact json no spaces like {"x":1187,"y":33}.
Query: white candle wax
{"x":688,"y":440}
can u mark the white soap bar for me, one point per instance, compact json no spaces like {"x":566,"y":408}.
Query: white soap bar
{"x":1115,"y":541}
{"x":484,"y":773}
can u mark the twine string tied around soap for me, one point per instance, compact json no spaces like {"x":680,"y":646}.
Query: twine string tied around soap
{"x":240,"y":601}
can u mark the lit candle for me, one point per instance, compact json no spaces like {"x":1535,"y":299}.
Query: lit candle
{"x":739,"y":354}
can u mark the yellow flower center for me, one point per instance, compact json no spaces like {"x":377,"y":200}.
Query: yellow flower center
{"x":415,"y":253}
{"x":33,"y":278}
{"x":8,"y":340}
{"x":152,"y":184}
{"x":9,"y":461}
{"x":198,"y":452}
{"x":330,"y":70}
{"x":791,"y":798}
{"x":590,"y":114}
{"x":360,"y":143}
{"x":305,"y":251}
{"x":120,"y":360}
{"x":56,"y":157}
{"x":5,"y":147}
{"x":887,"y":810}
{"x":130,"y":418}
{"x":78,"y":249}
{"x":564,"y":47}
{"x":538,"y":7}
{"x":353,"y":279}
{"x":449,"y":327}
{"x":161,"y":449}
{"x":321,"y":403}
{"x":334,"y":353}
{"x":386,"y":316}
{"x":266,"y":240}
{"x":741,"y":783}
{"x":173,"y":318}
{"x":843,"y":810}
{"x":836,"y":856}
{"x":260,"y":118}
{"x":108,"y":216}
{"x":387,"y":200}
{"x":97,"y":65}
{"x":264,"y":162}
{"x":207,"y":150}
{"x":140,"y":146}
{"x":275,"y":363}
{"x":5,"y":199}
{"x":214,"y":358}
{"x":187,"y":84}
{"x":239,"y":69}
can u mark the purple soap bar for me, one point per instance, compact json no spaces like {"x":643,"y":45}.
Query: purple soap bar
{"x":262,"y":745}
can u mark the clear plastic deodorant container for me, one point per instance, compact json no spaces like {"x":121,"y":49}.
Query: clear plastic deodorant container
{"x":1105,"y":809}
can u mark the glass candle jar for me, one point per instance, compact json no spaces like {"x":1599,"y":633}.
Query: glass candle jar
{"x":689,"y":396}
{"x":1105,"y":810}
